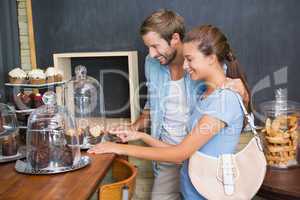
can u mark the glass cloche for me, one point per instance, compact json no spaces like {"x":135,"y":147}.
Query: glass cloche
{"x":86,"y":101}
{"x":281,"y":132}
{"x":52,"y":137}
{"x":9,"y":132}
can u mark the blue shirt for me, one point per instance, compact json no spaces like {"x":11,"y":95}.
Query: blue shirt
{"x":224,"y":106}
{"x":158,"y":77}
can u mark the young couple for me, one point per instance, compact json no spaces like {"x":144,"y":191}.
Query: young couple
{"x":188,"y":106}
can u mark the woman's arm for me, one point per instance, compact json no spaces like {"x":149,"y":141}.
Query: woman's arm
{"x":204,"y":130}
{"x":153,"y":142}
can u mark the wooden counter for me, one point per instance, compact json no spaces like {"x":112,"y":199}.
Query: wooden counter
{"x":80,"y":184}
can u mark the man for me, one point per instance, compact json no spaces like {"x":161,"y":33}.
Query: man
{"x":171,"y":93}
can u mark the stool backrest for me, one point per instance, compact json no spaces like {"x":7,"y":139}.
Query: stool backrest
{"x":124,"y":174}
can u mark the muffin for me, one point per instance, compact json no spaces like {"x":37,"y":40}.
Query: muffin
{"x":1,"y":124}
{"x":17,"y":76}
{"x":71,"y":136}
{"x":62,"y":156}
{"x":37,"y":76}
{"x":9,"y":146}
{"x":39,"y":156}
{"x":53,"y":75}
{"x":37,"y":99}
{"x":22,"y":100}
{"x":95,"y":134}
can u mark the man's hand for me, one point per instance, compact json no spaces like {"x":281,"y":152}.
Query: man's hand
{"x":122,"y":127}
{"x":237,"y":86}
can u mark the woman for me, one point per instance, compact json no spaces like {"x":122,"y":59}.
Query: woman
{"x":217,"y":120}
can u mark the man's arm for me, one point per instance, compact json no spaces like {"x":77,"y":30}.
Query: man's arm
{"x":142,"y":122}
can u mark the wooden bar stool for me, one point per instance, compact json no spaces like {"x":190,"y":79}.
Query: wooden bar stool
{"x":124,"y":174}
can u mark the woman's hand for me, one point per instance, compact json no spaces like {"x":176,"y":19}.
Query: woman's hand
{"x":105,"y":147}
{"x":126,"y":135}
{"x":237,"y":86}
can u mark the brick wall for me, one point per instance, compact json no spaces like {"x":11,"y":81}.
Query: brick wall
{"x":23,"y":32}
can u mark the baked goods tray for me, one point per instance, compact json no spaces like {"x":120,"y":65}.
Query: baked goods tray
{"x":22,"y":167}
{"x":25,"y":85}
{"x":86,"y":146}
{"x":21,"y":154}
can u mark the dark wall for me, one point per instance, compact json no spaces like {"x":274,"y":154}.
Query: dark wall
{"x":9,"y":42}
{"x":264,"y":34}
{"x":115,"y":86}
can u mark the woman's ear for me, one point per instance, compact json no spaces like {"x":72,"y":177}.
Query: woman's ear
{"x":212,"y":59}
{"x":175,"y":40}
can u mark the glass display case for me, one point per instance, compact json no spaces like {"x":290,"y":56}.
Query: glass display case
{"x":52,"y":140}
{"x":9,"y":132}
{"x":281,"y":132}
{"x":86,"y":101}
{"x":27,"y":97}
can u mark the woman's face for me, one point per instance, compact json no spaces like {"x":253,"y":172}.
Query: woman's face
{"x":195,"y":63}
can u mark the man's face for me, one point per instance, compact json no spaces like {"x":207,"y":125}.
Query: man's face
{"x":159,"y":48}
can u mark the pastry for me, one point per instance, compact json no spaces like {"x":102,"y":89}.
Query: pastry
{"x":39,"y":156}
{"x":53,"y":75}
{"x":71,"y":136}
{"x":37,"y":99}
{"x":1,"y":123}
{"x":17,"y":76}
{"x":281,"y":136}
{"x":37,"y":76}
{"x":95,"y":134}
{"x":46,"y":150}
{"x":9,"y":146}
{"x":96,"y":131}
{"x":22,"y":100}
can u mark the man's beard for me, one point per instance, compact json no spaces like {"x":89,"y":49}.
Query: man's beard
{"x":169,"y":58}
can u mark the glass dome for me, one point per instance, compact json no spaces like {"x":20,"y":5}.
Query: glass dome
{"x":86,"y":101}
{"x":281,"y":133}
{"x":9,"y":132}
{"x":52,"y":138}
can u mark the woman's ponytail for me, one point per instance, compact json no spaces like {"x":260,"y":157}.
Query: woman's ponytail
{"x":212,"y":41}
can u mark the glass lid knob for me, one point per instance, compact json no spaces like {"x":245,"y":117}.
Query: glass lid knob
{"x":80,"y":72}
{"x":49,"y":98}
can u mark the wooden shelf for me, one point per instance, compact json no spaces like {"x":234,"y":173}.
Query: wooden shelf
{"x":62,"y":61}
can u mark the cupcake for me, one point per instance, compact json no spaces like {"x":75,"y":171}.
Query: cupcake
{"x":53,"y":75}
{"x":22,"y":100}
{"x":1,"y":123}
{"x":71,"y":136}
{"x":95,"y":134}
{"x":37,"y":76}
{"x":17,"y":76}
{"x":9,"y":146}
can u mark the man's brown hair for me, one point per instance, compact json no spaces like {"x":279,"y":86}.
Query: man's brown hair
{"x":165,"y":23}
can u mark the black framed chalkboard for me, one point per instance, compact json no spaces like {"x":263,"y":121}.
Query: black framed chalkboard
{"x":264,"y":34}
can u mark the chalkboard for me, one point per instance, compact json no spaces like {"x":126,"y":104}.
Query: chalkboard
{"x":113,"y":83}
{"x":263,"y":33}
